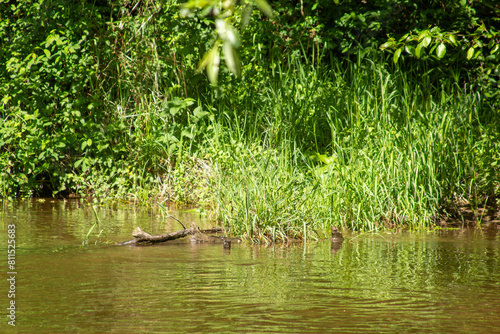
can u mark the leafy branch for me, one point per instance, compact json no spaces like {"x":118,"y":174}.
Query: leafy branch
{"x":415,"y":42}
{"x":227,"y":37}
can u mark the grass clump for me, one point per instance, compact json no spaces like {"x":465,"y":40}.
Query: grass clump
{"x":360,"y":147}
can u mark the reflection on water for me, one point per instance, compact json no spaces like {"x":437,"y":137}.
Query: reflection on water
{"x":445,"y":282}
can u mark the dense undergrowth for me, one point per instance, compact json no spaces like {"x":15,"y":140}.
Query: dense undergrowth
{"x":109,"y":104}
{"x":382,"y":150}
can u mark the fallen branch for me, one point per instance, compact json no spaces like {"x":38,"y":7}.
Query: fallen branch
{"x":144,"y":238}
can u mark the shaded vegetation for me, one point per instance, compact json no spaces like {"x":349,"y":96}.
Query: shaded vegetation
{"x":323,"y":126}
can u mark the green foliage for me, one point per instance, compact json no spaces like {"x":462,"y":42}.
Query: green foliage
{"x":76,"y":79}
{"x":482,"y":45}
{"x":356,"y":29}
{"x":321,"y":127}
{"x":386,"y":150}
{"x":470,"y":41}
{"x":227,"y":37}
{"x":52,"y":117}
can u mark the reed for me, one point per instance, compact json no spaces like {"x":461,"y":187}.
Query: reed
{"x":353,"y":144}
{"x":292,"y":148}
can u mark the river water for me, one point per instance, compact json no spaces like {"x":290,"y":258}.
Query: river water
{"x":434,"y":282}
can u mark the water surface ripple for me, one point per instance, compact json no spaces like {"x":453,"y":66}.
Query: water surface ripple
{"x":408,"y":283}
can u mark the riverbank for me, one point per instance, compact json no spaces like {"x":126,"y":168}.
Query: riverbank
{"x":300,"y":141}
{"x":361,"y":148}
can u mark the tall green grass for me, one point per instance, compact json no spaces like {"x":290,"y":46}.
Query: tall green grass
{"x":352,"y":144}
{"x":289,"y":149}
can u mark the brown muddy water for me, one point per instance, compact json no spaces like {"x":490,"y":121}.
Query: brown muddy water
{"x":434,"y":282}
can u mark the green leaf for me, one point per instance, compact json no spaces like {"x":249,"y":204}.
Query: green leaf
{"x":232,"y":36}
{"x":478,"y":53}
{"x":173,"y":110}
{"x":6,"y":99}
{"x":85,"y":166}
{"x":231,"y":58}
{"x":495,"y":49}
{"x":470,"y":53}
{"x":422,"y":35}
{"x":386,"y":45}
{"x":213,"y":65}
{"x":221,"y":27}
{"x":89,"y":142}
{"x":47,"y":53}
{"x":187,"y":133}
{"x":396,"y":55}
{"x":245,"y":15}
{"x":199,"y":113}
{"x":264,"y":7}
{"x":211,"y":62}
{"x":410,"y":49}
{"x":441,"y":50}
{"x":426,"y":41}
{"x":404,"y":37}
{"x":197,"y":3}
{"x":418,"y":50}
{"x":452,"y":39}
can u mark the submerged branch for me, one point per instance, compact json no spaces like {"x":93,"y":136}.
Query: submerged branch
{"x":144,"y":238}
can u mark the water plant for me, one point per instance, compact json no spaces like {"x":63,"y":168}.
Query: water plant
{"x":383,"y":150}
{"x":97,"y":225}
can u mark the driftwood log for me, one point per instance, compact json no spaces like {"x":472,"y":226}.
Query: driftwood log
{"x":144,"y":238}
